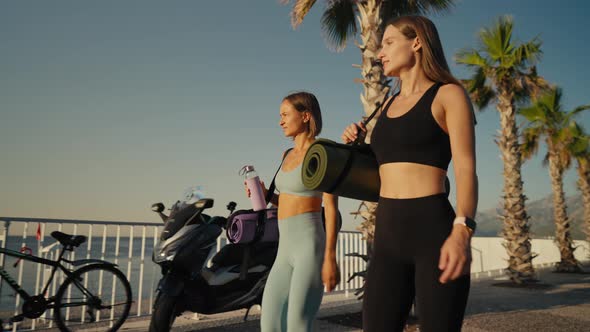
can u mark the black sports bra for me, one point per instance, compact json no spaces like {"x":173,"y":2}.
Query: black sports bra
{"x":413,"y":137}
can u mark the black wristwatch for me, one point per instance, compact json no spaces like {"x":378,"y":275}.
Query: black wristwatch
{"x":467,"y":222}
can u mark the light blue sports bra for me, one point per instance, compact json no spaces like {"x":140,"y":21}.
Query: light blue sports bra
{"x":290,"y":183}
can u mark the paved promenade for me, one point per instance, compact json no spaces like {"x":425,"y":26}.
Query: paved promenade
{"x":560,"y":302}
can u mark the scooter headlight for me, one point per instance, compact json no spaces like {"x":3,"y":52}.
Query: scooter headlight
{"x":163,"y":253}
{"x":163,"y":256}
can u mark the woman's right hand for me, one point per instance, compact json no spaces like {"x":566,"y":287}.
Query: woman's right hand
{"x":351,"y":132}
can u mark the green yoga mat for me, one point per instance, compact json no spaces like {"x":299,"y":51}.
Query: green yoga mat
{"x":328,"y":167}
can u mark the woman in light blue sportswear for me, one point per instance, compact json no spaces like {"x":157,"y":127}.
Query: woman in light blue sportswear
{"x":306,"y":260}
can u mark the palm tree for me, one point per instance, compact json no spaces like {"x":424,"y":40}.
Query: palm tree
{"x":580,"y":150}
{"x":548,"y":120}
{"x":339,"y":24}
{"x":504,"y":73}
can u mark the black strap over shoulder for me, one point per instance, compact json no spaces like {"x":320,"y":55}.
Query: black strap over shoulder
{"x":379,"y":107}
{"x":262,"y":213}
{"x":357,"y":144}
{"x":271,"y":189}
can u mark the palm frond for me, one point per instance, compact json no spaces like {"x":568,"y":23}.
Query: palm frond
{"x":553,"y":101}
{"x":528,"y":84}
{"x":300,"y":9}
{"x":547,"y":109}
{"x":579,"y":146}
{"x":471,"y":57}
{"x":339,"y":23}
{"x":480,"y":92}
{"x":579,"y":141}
{"x":391,"y":9}
{"x":561,"y":135}
{"x":497,"y":41}
{"x":533,"y":113}
{"x":529,"y":142}
{"x":565,"y":138}
{"x":483,"y":97}
{"x":580,"y":109}
{"x":528,"y":53}
{"x":577,"y":130}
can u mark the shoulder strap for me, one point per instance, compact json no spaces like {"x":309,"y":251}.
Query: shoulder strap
{"x":271,"y":189}
{"x":367,"y":120}
{"x":431,"y":93}
{"x":356,"y":143}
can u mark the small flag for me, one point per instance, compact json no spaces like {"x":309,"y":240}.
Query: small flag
{"x":38,"y":231}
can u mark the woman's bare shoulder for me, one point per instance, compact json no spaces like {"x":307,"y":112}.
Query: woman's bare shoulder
{"x":452,"y":94}
{"x":452,"y":90}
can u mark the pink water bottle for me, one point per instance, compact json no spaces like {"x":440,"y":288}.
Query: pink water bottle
{"x":253,"y":183}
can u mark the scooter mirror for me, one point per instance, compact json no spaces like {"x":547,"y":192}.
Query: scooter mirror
{"x":158,"y":207}
{"x":204,"y":203}
{"x":231,"y":206}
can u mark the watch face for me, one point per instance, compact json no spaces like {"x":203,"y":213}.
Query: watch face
{"x":470,"y":223}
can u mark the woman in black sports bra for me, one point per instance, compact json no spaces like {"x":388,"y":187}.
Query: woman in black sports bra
{"x":422,"y":247}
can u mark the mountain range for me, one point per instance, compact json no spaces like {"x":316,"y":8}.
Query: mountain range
{"x":541,"y":218}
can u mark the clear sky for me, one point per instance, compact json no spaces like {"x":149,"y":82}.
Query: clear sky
{"x":109,"y":106}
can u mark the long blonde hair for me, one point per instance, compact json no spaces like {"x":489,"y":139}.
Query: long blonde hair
{"x":433,"y":58}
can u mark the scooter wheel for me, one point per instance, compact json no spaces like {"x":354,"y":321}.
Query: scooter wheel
{"x":164,"y":313}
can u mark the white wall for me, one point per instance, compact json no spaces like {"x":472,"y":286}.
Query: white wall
{"x":489,"y":254}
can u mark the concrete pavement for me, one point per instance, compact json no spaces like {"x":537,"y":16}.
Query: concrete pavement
{"x":559,"y":302}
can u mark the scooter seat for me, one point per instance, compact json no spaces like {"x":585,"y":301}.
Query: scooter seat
{"x":233,"y":254}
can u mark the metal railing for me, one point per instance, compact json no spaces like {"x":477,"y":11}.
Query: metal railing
{"x":107,"y":240}
{"x":127,"y":244}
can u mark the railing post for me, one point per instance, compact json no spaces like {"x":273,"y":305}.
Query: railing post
{"x":141,"y":265}
{"x":4,"y":238}
{"x":154,"y":270}
{"x":130,"y":257}
{"x":346,"y":260}
{"x":341,"y":259}
{"x":113,"y":290}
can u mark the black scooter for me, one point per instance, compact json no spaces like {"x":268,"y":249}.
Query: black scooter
{"x":235,"y":280}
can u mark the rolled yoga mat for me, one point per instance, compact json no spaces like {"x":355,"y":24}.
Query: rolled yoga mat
{"x":344,"y":170}
{"x":242,"y":228}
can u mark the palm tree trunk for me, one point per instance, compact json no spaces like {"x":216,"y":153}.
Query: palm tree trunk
{"x":375,"y":83}
{"x":367,"y":211}
{"x":515,"y":220}
{"x":584,"y":186}
{"x":563,"y":237}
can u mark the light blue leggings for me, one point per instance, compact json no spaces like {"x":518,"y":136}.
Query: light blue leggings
{"x":294,"y":289}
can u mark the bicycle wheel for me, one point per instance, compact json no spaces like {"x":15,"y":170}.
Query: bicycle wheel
{"x":95,"y":298}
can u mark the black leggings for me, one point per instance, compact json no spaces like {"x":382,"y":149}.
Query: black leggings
{"x":408,"y":236}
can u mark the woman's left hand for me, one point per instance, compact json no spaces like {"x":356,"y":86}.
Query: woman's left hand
{"x":455,"y":255}
{"x":330,"y":274}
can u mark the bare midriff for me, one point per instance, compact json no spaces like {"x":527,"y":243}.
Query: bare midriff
{"x":410,"y":180}
{"x":292,"y":205}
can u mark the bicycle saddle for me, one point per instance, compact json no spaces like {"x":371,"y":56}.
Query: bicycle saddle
{"x":67,"y":239}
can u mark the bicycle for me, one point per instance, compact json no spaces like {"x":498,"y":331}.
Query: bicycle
{"x":76,"y":303}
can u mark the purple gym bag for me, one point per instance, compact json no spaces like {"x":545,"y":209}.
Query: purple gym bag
{"x":247,"y":226}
